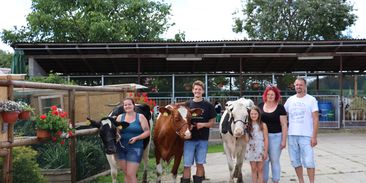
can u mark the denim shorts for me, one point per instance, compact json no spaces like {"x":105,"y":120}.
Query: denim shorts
{"x":300,"y":151}
{"x":195,"y":150}
{"x":130,"y":154}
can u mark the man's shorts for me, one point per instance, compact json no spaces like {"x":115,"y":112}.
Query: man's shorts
{"x":130,"y":154}
{"x":300,"y":151}
{"x":195,"y":150}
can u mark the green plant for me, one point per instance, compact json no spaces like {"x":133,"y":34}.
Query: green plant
{"x":91,"y":159}
{"x":56,"y":123}
{"x":25,"y":107}
{"x":9,"y":106}
{"x":25,"y":167}
{"x":52,"y":78}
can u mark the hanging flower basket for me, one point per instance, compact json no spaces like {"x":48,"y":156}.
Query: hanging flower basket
{"x":255,"y":85}
{"x":24,"y":115}
{"x":43,"y":134}
{"x":9,"y":111}
{"x":54,"y":122}
{"x":291,"y":86}
{"x":26,"y":111}
{"x":187,"y":86}
{"x":9,"y":117}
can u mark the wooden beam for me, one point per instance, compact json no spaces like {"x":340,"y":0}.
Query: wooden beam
{"x":34,"y":140}
{"x":27,"y":84}
{"x":72,"y":146}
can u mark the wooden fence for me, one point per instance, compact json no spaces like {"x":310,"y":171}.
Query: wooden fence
{"x":7,"y":86}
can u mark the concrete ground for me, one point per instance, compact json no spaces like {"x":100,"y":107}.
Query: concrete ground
{"x":340,"y":158}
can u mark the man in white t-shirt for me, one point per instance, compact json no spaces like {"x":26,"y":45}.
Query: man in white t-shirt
{"x":303,"y":114}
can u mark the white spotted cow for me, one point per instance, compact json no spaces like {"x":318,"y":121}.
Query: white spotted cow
{"x":232,"y":129}
{"x":108,"y":131}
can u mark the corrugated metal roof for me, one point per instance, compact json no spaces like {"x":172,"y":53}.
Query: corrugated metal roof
{"x":197,"y":56}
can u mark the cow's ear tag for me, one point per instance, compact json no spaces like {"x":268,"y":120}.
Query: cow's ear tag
{"x":194,"y":114}
{"x":120,"y":127}
{"x":165,"y":114}
{"x":88,"y":122}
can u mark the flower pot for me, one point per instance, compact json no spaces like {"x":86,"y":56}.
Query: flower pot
{"x":9,"y":117}
{"x":24,"y":115}
{"x":255,"y":86}
{"x":43,"y":134}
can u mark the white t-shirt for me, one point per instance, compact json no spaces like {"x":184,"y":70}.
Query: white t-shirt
{"x":300,"y":114}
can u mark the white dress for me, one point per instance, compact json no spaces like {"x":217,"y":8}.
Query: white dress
{"x":255,"y":146}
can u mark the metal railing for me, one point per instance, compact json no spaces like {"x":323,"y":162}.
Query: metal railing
{"x":329,"y":107}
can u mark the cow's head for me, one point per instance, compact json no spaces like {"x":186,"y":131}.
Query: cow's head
{"x":108,"y":132}
{"x":179,"y":117}
{"x":238,"y":115}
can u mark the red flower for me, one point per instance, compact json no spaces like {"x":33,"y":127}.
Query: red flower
{"x":54,"y":108}
{"x":54,"y":139}
{"x":62,"y":114}
{"x":70,"y":134}
{"x":146,"y":99}
{"x":43,"y":116}
{"x":62,"y":142}
{"x":54,"y":112}
{"x":144,"y":94}
{"x":59,"y":133}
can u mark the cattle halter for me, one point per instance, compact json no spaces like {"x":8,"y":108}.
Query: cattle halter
{"x":177,"y":129}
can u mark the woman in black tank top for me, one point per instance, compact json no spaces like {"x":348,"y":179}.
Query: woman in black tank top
{"x":275,"y":117}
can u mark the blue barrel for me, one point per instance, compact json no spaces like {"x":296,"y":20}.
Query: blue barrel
{"x":326,"y":111}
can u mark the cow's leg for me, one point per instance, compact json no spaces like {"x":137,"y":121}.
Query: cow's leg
{"x":145,"y":159}
{"x":229,"y":157}
{"x":241,"y":146}
{"x":159,"y":167}
{"x":114,"y":167}
{"x":177,"y":159}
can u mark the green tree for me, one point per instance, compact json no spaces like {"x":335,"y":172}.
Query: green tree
{"x":295,"y":19}
{"x":5,"y":59}
{"x":92,"y":21}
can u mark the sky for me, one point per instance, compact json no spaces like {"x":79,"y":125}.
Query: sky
{"x":199,"y":19}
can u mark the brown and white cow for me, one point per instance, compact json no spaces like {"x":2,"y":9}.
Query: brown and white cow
{"x":232,"y":129}
{"x":172,"y":127}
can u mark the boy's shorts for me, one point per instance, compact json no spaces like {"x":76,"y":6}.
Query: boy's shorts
{"x":195,"y":150}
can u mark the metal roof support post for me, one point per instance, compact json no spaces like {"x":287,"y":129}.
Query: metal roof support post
{"x":341,"y":121}
{"x":241,"y":77}
{"x":206,"y":88}
{"x":173,"y":89}
{"x":273,"y":79}
{"x":138,"y":70}
{"x":102,"y":78}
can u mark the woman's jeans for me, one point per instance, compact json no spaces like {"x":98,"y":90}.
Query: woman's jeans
{"x":274,"y":153}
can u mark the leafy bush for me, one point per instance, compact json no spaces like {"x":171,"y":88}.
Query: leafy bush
{"x":51,"y":78}
{"x":89,"y":155}
{"x":53,"y":156}
{"x":25,"y":167}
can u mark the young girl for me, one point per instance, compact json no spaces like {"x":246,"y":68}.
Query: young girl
{"x":257,"y":146}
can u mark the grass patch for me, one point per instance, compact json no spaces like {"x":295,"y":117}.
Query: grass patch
{"x":215,"y":148}
{"x":151,"y":167}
